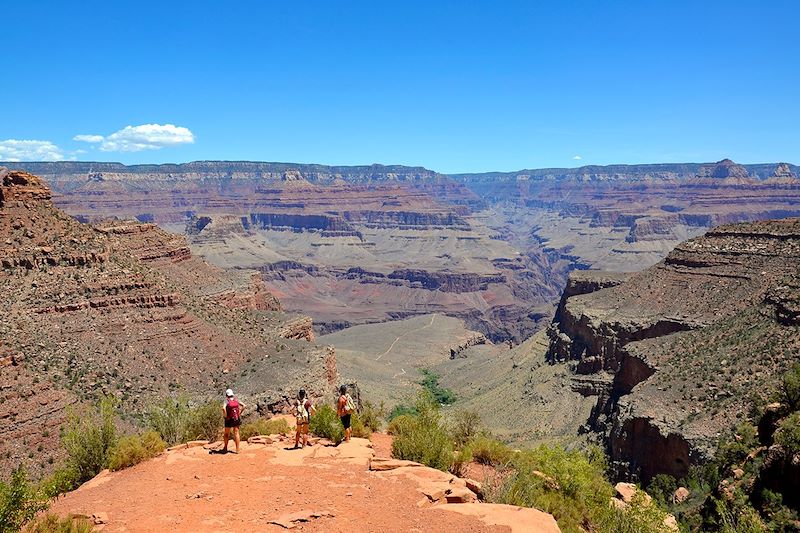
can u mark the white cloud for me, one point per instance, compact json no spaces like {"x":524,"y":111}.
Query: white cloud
{"x":95,"y":139}
{"x":577,"y":158}
{"x":138,"y":138}
{"x":14,"y":150}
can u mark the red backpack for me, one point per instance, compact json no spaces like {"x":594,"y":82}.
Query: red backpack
{"x":232,"y":409}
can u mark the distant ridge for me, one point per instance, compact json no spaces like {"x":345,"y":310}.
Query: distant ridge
{"x":756,"y":170}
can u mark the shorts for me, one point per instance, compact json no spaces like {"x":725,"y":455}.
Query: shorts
{"x":346,"y":421}
{"x":233,"y":422}
{"x":302,"y":427}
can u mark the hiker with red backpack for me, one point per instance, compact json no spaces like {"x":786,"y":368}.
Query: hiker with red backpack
{"x":232,"y":411}
{"x":303,"y":409}
{"x":345,"y":408}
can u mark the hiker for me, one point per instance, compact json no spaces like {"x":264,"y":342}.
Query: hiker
{"x":232,"y":411}
{"x":344,"y":408}
{"x":303,"y":409}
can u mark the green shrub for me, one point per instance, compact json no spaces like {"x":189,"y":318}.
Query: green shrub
{"x":639,"y":516}
{"x":737,"y":517}
{"x":134,"y":449}
{"x":371,"y":416}
{"x":488,"y":451}
{"x":461,"y":459}
{"x":263,"y":426}
{"x":176,"y":420}
{"x":19,"y":502}
{"x":789,"y":392}
{"x":401,"y":410}
{"x":423,"y":438}
{"x":51,"y":523}
{"x":401,"y":424}
{"x":359,"y":429}
{"x":204,"y":422}
{"x":430,"y":381}
{"x":88,"y":438}
{"x":466,"y":426}
{"x":661,"y":488}
{"x":168,"y":417}
{"x":570,"y":485}
{"x":788,"y":434}
{"x":326,"y":424}
{"x":64,"y":479}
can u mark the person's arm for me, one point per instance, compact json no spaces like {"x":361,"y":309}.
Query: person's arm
{"x":241,"y":408}
{"x":224,"y":411}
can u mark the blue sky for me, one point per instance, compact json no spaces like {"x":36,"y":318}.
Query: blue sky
{"x":453,"y":86}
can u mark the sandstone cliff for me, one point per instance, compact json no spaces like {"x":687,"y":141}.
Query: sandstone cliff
{"x":677,"y":352}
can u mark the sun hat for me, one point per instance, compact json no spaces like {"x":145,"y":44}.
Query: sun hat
{"x":229,"y":393}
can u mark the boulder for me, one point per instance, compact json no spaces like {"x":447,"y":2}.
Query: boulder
{"x":458,"y":494}
{"x":680,"y":495}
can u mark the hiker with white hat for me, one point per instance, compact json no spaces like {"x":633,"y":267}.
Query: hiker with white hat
{"x":232,"y":411}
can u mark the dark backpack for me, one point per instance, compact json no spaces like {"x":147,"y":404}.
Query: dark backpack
{"x":232,"y":409}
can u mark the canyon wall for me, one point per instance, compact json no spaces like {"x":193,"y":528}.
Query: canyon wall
{"x":675,"y":354}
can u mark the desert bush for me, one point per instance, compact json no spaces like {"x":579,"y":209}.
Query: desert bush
{"x":737,"y":517}
{"x":661,"y":488}
{"x":371,"y":415}
{"x":168,"y":417}
{"x":461,"y":459}
{"x":263,"y":426}
{"x":325,"y":423}
{"x":88,"y":437}
{"x":177,"y":420}
{"x":639,"y":516}
{"x":19,"y":502}
{"x":789,"y":392}
{"x":788,"y":434}
{"x":51,"y":523}
{"x":64,"y":479}
{"x":489,"y":451}
{"x":423,"y":438}
{"x":570,"y":485}
{"x":401,"y":410}
{"x":204,"y":422}
{"x":401,"y":424}
{"x":466,"y":426}
{"x":134,"y":449}
{"x":359,"y":429}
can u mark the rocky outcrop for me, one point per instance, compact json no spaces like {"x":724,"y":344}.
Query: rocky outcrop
{"x":660,"y":330}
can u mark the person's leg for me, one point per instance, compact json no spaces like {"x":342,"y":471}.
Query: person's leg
{"x":347,"y":434}
{"x":298,"y":429}
{"x":225,"y":437}
{"x":236,"y":437}
{"x":305,"y":435}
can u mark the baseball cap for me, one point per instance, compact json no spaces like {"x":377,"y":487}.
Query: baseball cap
{"x":229,"y":393}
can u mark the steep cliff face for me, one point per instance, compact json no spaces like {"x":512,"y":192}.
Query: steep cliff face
{"x":684,"y":344}
{"x":125,"y":309}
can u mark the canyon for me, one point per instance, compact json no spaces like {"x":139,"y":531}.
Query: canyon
{"x":365,"y":244}
{"x":649,"y":342}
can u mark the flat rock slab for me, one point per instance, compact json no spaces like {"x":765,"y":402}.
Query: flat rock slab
{"x":380,"y":464}
{"x":518,"y":519}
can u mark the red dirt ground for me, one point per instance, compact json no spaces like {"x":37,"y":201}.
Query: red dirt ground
{"x":193,"y":490}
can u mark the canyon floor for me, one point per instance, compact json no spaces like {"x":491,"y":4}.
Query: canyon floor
{"x":270,"y":488}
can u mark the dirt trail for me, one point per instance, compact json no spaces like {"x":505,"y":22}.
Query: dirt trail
{"x":269,"y":488}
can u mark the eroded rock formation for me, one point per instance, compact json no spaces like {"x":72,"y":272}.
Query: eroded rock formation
{"x":674,"y":348}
